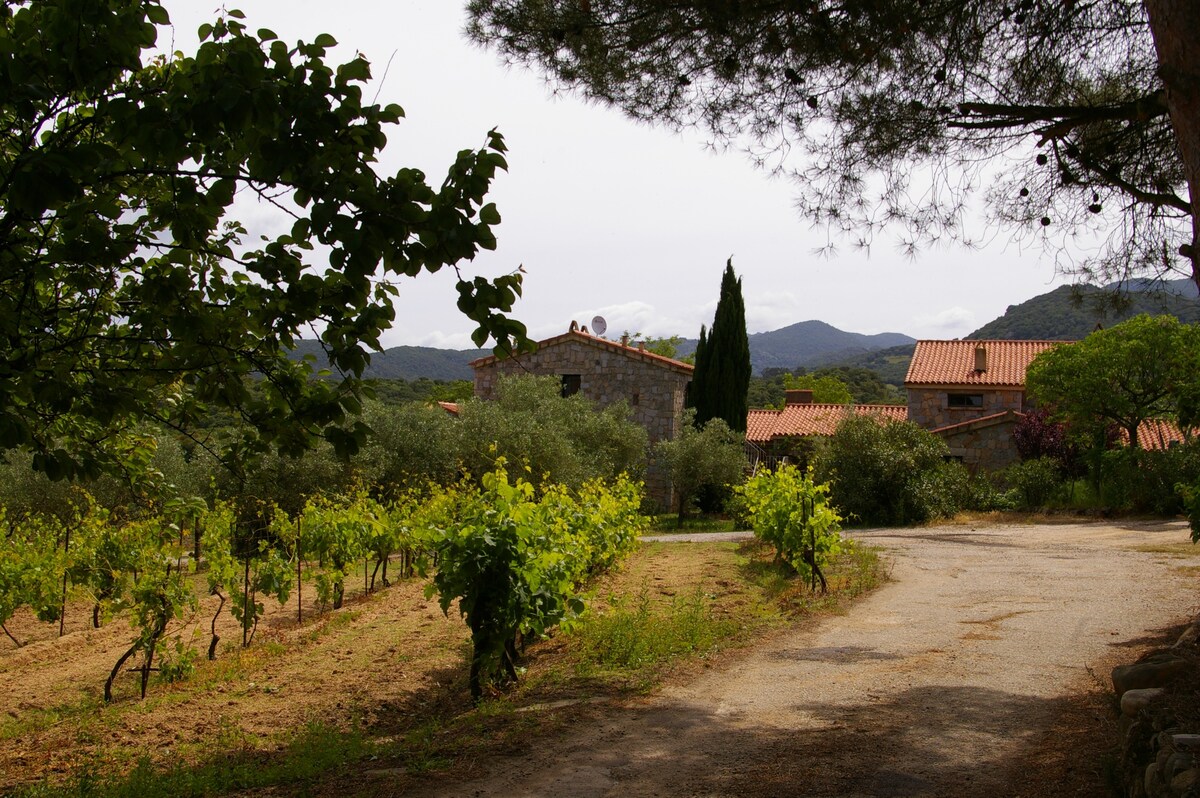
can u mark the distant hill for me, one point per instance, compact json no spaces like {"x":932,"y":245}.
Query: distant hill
{"x":809,"y":344}
{"x":410,"y":362}
{"x":890,"y":364}
{"x":1069,"y":313}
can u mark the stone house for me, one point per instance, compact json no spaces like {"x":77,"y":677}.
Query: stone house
{"x":606,"y":372}
{"x":774,"y":436}
{"x":971,"y":394}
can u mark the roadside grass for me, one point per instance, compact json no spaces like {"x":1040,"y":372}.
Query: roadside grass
{"x":668,"y":611}
{"x":669,"y":523}
{"x":316,"y":752}
{"x":1181,"y":549}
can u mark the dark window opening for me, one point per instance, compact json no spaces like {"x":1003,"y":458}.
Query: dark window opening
{"x":570,"y":384}
{"x":637,"y":397}
{"x":964,"y":400}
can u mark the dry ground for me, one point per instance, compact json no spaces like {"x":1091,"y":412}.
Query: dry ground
{"x":980,"y":669}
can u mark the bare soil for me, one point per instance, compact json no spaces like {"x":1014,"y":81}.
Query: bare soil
{"x":980,"y":669}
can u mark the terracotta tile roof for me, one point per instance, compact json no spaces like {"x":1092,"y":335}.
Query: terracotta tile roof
{"x":600,"y":343}
{"x":1159,"y":433}
{"x":449,"y":407}
{"x":811,"y":419}
{"x":953,"y":362}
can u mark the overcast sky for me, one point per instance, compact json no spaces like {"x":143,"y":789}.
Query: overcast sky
{"x":611,"y":218}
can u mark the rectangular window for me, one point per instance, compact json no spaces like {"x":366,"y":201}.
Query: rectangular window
{"x":964,"y":400}
{"x":636,"y":400}
{"x":570,"y":384}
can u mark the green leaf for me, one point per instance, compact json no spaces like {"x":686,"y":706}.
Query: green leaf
{"x":488,"y":214}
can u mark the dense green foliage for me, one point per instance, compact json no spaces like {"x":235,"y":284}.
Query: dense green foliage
{"x":826,"y":388}
{"x":792,"y":513}
{"x":568,"y":441}
{"x":889,"y":473}
{"x":722,"y":374}
{"x":422,"y":389}
{"x":513,"y":560}
{"x":1140,"y":369}
{"x":712,"y":457}
{"x":831,"y":384}
{"x":127,"y":292}
{"x":410,"y":444}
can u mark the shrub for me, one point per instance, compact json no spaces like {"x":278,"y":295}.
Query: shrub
{"x":791,"y":512}
{"x":566,"y":441}
{"x":1034,"y":482}
{"x":708,"y":460}
{"x":889,"y":472}
{"x":1146,"y":481}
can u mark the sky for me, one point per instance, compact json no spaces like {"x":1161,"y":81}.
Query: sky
{"x":611,"y":218}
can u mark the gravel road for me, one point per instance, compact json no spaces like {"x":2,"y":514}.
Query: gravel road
{"x":941,"y":683}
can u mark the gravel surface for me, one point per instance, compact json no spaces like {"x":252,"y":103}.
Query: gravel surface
{"x":947,"y":681}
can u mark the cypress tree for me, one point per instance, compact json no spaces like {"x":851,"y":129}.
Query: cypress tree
{"x":696,"y":388}
{"x":722,"y":376}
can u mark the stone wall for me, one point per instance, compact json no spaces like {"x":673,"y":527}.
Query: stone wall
{"x":609,"y":373}
{"x":653,"y":391}
{"x":929,"y":407}
{"x":1159,"y":755}
{"x":985,"y":447}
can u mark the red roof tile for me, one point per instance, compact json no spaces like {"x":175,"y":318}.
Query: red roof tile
{"x":603,"y":343}
{"x":449,"y":407}
{"x":1159,"y":433}
{"x":813,"y":419}
{"x":953,"y":362}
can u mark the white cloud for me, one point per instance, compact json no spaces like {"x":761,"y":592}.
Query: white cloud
{"x":767,"y":312}
{"x":950,"y":323}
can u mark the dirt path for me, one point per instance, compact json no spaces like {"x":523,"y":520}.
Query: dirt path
{"x":943,"y":683}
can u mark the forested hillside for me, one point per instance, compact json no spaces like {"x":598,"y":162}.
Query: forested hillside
{"x":1068,"y":313}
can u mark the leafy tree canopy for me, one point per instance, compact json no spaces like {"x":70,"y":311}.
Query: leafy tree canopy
{"x":710,"y":454}
{"x":899,"y":109}
{"x":667,"y":346}
{"x":826,"y":388}
{"x":128,"y":292}
{"x":1140,"y":369}
{"x":862,"y":385}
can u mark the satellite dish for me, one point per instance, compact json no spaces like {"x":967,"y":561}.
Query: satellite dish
{"x":599,"y":325}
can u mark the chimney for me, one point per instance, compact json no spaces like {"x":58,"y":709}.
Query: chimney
{"x":980,"y":358}
{"x":798,"y":397}
{"x":624,"y":339}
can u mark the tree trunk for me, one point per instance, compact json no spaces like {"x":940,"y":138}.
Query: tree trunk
{"x":116,"y":670}
{"x":1174,"y":25}
{"x":10,"y":635}
{"x":212,"y":646}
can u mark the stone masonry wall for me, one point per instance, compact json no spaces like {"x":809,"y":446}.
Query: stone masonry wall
{"x":987,"y":448}
{"x":653,"y":392}
{"x":928,"y":407}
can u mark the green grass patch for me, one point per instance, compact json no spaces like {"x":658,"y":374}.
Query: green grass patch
{"x":668,"y":523}
{"x":36,"y":720}
{"x":314,"y":753}
{"x":857,"y":569}
{"x":635,"y":634}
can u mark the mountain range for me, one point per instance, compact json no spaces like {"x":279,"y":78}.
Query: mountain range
{"x":1066,"y":313}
